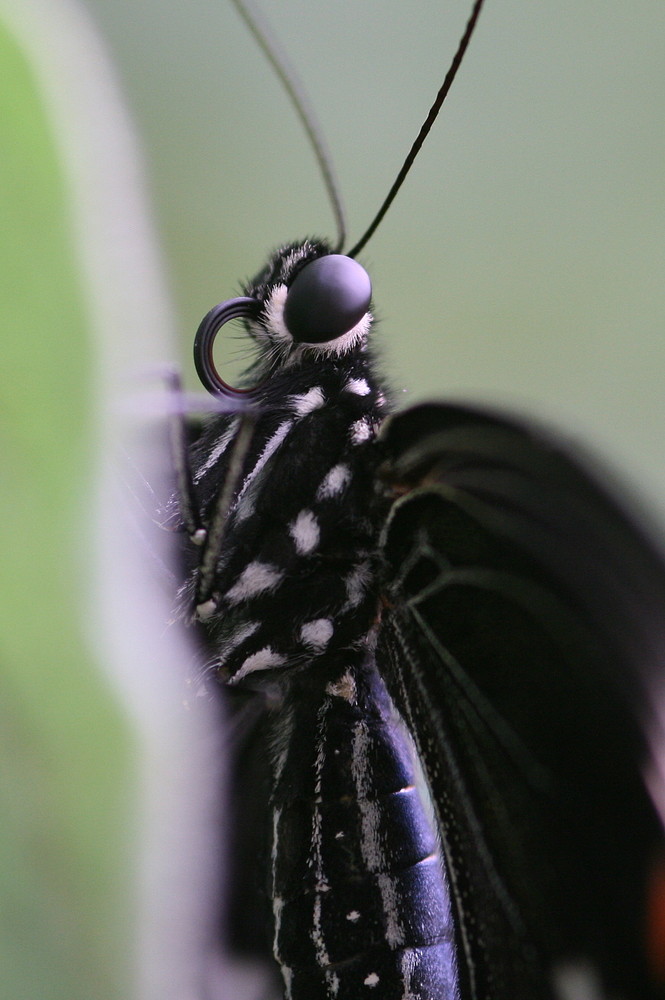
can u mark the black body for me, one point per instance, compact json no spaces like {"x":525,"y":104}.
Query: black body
{"x":449,"y":580}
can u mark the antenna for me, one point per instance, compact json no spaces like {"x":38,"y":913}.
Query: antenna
{"x":287,"y":76}
{"x":422,"y":135}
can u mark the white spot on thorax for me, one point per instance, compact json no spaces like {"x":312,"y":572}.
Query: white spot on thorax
{"x":305,"y":532}
{"x":359,"y":386}
{"x":356,"y":585}
{"x":353,"y":916}
{"x":256,"y":578}
{"x":308,"y":401}
{"x":235,"y":640}
{"x":264,"y":659}
{"x":244,"y":510}
{"x":360,"y":431}
{"x":334,"y":482}
{"x":243,"y":633}
{"x":371,"y":980}
{"x":219,"y":449}
{"x":317,"y":633}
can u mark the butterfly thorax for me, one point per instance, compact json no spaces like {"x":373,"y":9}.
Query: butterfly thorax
{"x":295,"y":579}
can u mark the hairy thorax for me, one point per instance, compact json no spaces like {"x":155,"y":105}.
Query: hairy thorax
{"x":295,"y":577}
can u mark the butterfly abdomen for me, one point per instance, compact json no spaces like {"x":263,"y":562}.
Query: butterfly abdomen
{"x":358,"y":888}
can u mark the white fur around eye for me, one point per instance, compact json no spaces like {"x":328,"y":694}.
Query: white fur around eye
{"x":275,"y":329}
{"x":274,"y":315}
{"x":347,"y":341}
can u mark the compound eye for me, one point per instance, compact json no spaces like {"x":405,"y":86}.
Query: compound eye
{"x":327,"y":299}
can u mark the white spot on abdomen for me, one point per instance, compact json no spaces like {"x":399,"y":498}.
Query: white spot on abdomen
{"x":277,"y":907}
{"x":371,"y":980}
{"x":391,"y":910}
{"x":344,"y":688}
{"x":371,"y":845}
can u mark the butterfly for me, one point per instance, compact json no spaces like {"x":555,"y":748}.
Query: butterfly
{"x":447,"y":591}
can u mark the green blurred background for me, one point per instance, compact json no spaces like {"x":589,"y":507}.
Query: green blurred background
{"x":523,"y":262}
{"x":67,"y":777}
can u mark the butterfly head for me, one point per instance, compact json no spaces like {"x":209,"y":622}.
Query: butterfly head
{"x":307,"y":303}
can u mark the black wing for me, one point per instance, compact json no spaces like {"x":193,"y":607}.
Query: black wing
{"x":524,"y":642}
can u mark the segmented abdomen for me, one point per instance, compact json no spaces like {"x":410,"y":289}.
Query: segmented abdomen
{"x":360,"y":896}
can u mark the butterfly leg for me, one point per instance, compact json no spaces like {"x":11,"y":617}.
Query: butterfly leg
{"x":187,"y":501}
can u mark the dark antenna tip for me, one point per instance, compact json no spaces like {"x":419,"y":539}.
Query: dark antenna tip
{"x":422,"y":135}
{"x":296,"y":94}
